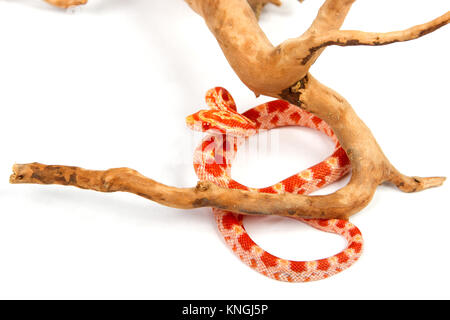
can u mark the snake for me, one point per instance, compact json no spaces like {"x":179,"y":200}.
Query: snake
{"x":226,"y":130}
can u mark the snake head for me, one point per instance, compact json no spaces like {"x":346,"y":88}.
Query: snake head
{"x":222,"y":117}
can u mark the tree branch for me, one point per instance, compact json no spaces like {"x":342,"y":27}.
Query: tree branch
{"x":370,"y":167}
{"x":205,"y":194}
{"x":268,"y":70}
{"x":258,"y":5}
{"x":331,"y":16}
{"x":66,"y":3}
{"x":353,"y":38}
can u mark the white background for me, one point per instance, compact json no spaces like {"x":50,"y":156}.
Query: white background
{"x":110,"y":85}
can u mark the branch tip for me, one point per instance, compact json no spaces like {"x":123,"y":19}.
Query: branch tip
{"x":415,"y":184}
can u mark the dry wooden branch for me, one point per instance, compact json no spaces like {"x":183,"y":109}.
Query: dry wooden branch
{"x":258,"y":5}
{"x":205,"y":194}
{"x":345,"y":38}
{"x":267,"y":69}
{"x":282,"y":72}
{"x":66,"y":3}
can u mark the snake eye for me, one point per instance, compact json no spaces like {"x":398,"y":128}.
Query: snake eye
{"x":206,"y":126}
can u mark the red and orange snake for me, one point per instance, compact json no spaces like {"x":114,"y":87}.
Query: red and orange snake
{"x":212,"y":162}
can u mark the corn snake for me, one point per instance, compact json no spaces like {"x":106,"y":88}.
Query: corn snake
{"x":212,"y":162}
